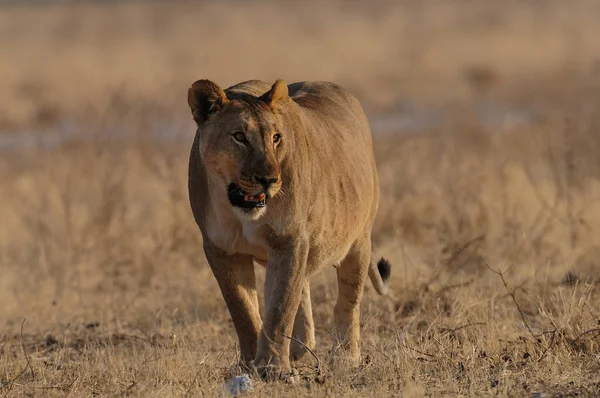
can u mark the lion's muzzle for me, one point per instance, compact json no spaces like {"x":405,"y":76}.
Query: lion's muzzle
{"x":240,"y":198}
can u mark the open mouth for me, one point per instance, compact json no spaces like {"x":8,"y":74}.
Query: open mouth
{"x":239,"y":198}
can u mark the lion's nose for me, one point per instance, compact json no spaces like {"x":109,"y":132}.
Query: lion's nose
{"x":265,"y":181}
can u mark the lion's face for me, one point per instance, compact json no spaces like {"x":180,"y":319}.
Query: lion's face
{"x":241,"y":146}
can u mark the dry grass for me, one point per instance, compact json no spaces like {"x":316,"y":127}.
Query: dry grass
{"x":493,"y":233}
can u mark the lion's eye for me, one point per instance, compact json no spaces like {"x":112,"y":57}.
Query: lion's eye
{"x":239,"y":137}
{"x":276,"y":138}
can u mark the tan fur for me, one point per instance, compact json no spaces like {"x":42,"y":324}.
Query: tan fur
{"x":320,"y":211}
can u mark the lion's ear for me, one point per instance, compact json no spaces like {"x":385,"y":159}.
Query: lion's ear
{"x":204,"y":98}
{"x":277,"y":95}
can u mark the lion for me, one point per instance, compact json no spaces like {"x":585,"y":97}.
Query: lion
{"x":284,"y":176}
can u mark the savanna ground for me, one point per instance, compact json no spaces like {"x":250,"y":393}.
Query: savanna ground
{"x":493,"y":230}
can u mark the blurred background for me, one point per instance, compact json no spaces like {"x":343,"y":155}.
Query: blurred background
{"x":485,"y":118}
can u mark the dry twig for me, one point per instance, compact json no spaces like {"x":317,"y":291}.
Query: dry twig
{"x":11,"y":383}
{"x":512,"y":295}
{"x":307,"y":349}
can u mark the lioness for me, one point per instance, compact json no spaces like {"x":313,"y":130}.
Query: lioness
{"x":284,"y":176}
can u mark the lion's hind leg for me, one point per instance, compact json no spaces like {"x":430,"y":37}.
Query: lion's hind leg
{"x":351,"y":275}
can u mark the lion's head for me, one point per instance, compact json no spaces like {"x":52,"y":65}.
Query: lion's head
{"x":241,"y":142}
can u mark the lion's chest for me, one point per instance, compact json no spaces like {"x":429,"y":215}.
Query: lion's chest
{"x":235,"y":236}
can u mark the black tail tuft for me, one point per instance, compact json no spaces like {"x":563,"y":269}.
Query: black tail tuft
{"x":385,"y":269}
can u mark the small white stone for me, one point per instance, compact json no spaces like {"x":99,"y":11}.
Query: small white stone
{"x":238,"y":385}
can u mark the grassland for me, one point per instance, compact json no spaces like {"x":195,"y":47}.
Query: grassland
{"x":492,"y":231}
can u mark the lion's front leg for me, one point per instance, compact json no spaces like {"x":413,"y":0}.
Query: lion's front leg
{"x":235,"y":275}
{"x":284,"y":283}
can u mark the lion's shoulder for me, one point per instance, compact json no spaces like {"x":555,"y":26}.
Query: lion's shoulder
{"x":323,"y":97}
{"x":308,"y":94}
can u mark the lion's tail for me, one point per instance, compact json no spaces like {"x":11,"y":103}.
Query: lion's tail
{"x":380,"y":275}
